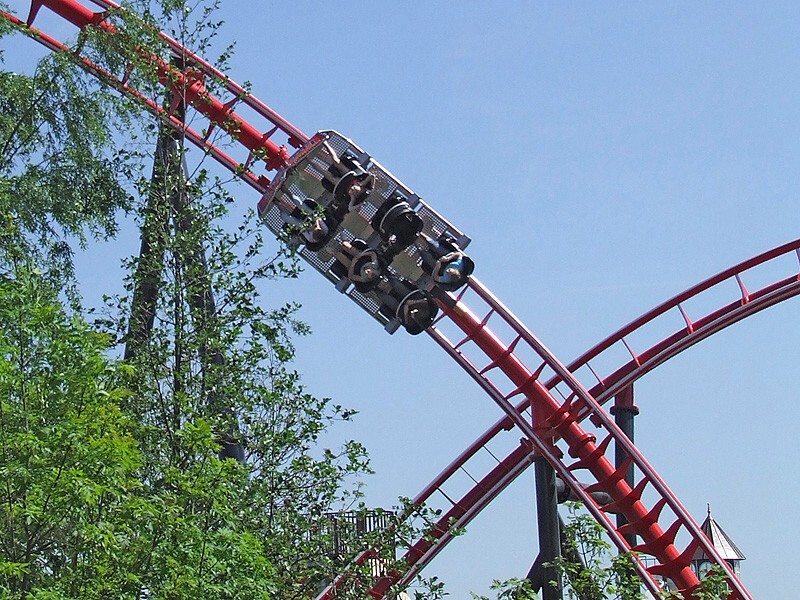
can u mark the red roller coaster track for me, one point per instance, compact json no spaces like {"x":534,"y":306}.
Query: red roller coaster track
{"x":557,"y":408}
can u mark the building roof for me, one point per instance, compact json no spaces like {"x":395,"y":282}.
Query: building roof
{"x":720,"y":540}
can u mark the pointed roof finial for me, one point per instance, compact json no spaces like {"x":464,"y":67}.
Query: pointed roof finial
{"x":719,"y":539}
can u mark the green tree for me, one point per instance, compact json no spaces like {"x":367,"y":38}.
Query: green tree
{"x":60,"y":175}
{"x":67,"y":458}
{"x":152,"y":511}
{"x":601,"y":575}
{"x":593,"y":573}
{"x":510,"y":589}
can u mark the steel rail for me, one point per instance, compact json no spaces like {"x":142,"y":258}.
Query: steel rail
{"x":552,"y":418}
{"x":186,"y":84}
{"x":296,"y":137}
{"x":152,"y":106}
{"x":751,"y":302}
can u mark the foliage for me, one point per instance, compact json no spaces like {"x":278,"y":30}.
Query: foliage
{"x":60,"y":175}
{"x":511,"y":589}
{"x":199,"y":374}
{"x":593,"y":573}
{"x":713,"y":586}
{"x":115,"y":485}
{"x":68,"y":459}
{"x":589,"y":572}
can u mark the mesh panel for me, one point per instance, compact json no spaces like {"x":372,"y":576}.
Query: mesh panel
{"x":321,"y":260}
{"x":368,"y":302}
{"x":367,"y":210}
{"x":384,"y":186}
{"x":338,"y":143}
{"x":273,"y":220}
{"x":433,"y":222}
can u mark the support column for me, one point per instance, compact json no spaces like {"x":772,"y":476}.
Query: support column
{"x":625,"y":411}
{"x":169,"y":200}
{"x":549,"y":530}
{"x":155,"y":231}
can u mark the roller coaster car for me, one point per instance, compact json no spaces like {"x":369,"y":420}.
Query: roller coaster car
{"x":359,"y":226}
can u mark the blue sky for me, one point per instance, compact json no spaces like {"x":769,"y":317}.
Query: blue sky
{"x":603,"y":157}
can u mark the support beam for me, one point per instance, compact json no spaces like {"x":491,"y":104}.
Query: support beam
{"x":549,"y":530}
{"x":155,"y":230}
{"x":168,"y":202}
{"x":625,"y":411}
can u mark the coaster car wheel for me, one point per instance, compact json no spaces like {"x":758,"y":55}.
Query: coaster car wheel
{"x":397,"y":223}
